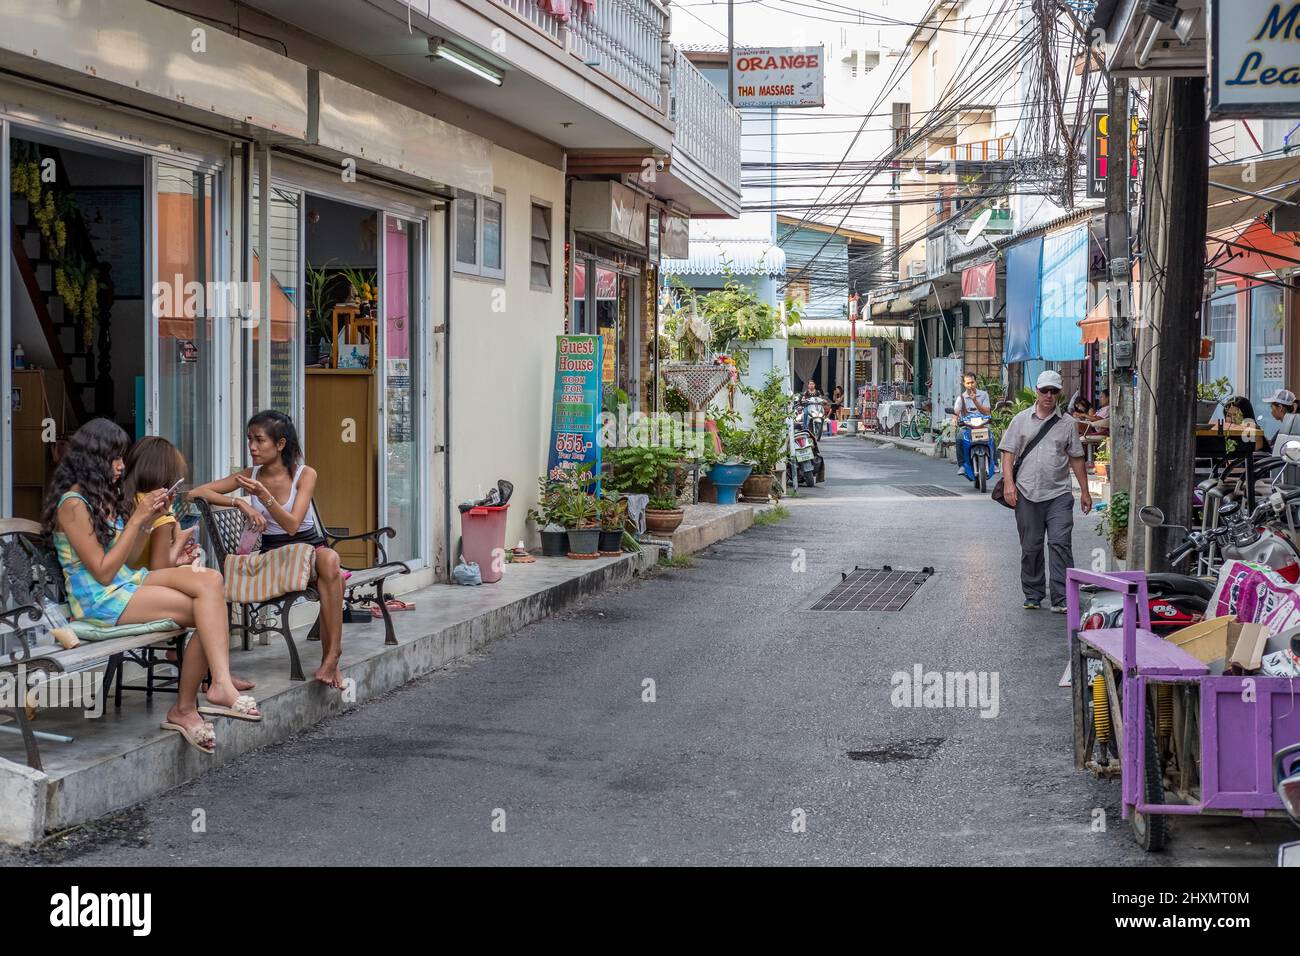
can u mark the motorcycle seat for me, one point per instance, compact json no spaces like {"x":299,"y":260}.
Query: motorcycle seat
{"x":1171,"y":583}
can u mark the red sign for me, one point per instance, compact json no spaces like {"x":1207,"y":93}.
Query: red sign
{"x":980,"y":282}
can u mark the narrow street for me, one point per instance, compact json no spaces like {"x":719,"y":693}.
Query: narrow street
{"x":758,"y":705}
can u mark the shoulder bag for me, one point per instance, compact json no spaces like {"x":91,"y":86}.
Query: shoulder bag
{"x":996,"y":492}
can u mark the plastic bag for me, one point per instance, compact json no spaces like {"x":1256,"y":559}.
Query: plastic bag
{"x":467,"y":572}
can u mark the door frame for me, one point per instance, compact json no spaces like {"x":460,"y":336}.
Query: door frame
{"x":6,"y":332}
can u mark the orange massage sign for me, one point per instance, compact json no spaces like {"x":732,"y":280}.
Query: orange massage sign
{"x":788,"y":76}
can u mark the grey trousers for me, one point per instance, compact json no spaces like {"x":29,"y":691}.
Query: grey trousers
{"x":1055,"y":519}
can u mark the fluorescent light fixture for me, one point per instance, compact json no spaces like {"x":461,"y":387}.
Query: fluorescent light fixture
{"x":438,"y":48}
{"x":1180,"y":21}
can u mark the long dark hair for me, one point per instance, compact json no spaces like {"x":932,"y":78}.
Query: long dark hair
{"x":88,"y":464}
{"x":152,"y":463}
{"x":278,"y":425}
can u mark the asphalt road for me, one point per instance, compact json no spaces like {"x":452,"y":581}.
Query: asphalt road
{"x":771,"y":739}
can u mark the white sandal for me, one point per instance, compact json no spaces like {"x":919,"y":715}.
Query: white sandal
{"x":244,"y":708}
{"x":202,"y":737}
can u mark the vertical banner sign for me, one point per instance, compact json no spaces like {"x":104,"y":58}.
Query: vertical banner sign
{"x":1100,"y":149}
{"x":575,"y":416}
{"x":980,"y":282}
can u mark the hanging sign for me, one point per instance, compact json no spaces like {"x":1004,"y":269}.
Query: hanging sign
{"x":1254,"y":70}
{"x":780,"y":76}
{"x":980,"y":282}
{"x":1101,"y":151}
{"x":575,"y":414}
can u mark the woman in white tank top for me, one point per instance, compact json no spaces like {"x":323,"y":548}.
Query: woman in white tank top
{"x":278,"y":472}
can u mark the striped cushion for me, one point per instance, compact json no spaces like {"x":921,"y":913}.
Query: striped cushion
{"x":264,"y":575}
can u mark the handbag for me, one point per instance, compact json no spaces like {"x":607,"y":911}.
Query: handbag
{"x":265,"y":575}
{"x":996,"y":492}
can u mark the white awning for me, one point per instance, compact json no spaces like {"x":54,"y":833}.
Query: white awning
{"x":839,"y":328}
{"x":747,"y":257}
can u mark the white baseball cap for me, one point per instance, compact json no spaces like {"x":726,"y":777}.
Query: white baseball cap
{"x":1281,"y":397}
{"x":1049,"y":379}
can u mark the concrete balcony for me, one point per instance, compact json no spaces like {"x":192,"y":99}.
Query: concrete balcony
{"x":706,"y":144}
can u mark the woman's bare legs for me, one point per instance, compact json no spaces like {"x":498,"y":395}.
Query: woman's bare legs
{"x":329,"y":582}
{"x":192,"y":598}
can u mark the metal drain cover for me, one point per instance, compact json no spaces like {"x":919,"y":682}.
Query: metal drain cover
{"x":873,"y":589}
{"x":927,"y":491}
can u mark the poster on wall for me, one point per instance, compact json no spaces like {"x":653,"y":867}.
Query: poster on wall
{"x":114,"y":221}
{"x":575,"y":414}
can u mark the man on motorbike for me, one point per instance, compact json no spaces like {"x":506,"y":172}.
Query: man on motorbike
{"x":972,"y":400}
{"x":804,"y":399}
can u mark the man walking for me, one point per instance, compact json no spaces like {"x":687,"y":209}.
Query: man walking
{"x":1038,"y":454}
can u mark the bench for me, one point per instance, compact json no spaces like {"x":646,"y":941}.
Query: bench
{"x":31,"y":577}
{"x":223,"y":528}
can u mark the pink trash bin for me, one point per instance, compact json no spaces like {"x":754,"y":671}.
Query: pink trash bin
{"x":483,"y":531}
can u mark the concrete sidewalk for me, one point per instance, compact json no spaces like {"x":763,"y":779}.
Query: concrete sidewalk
{"x":124,"y":757}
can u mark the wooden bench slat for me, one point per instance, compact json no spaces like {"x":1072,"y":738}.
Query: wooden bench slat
{"x":91,"y":652}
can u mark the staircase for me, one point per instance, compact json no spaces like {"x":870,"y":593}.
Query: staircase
{"x":87,"y":380}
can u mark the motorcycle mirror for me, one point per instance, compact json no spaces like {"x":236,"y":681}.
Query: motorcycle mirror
{"x":1151,"y":516}
{"x":1289,"y":791}
{"x":1291,"y":451}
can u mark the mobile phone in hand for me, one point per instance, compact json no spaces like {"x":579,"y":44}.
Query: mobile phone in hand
{"x":172,"y":490}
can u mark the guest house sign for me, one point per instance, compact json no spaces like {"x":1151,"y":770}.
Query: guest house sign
{"x":1254,"y":58}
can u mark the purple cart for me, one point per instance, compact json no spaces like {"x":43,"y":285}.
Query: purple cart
{"x":1185,"y":742}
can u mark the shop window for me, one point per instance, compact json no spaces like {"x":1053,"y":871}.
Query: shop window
{"x":480,"y":234}
{"x":799,"y":290}
{"x":1221,"y":325}
{"x":1267,"y":360}
{"x":539,"y":276}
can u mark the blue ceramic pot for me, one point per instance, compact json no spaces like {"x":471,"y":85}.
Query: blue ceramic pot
{"x":728,"y":479}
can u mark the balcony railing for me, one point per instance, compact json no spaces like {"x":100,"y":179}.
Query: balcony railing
{"x":708,"y":127}
{"x":621,"y":38}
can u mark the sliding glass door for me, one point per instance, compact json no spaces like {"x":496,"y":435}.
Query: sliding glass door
{"x":403,"y":303}
{"x":188,"y":304}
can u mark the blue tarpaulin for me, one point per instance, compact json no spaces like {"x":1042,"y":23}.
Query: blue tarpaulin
{"x":1024,"y":263}
{"x":1063,"y":296}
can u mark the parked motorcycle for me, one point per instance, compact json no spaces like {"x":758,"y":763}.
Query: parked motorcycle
{"x":975,"y":448}
{"x":805,"y":466}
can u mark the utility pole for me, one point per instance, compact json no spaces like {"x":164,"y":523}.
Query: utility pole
{"x":1173,"y":285}
{"x":731,"y":52}
{"x":1120,"y":273}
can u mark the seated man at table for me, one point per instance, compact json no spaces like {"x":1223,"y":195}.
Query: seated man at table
{"x":1281,"y":404}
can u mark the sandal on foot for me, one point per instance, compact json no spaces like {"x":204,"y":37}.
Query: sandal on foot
{"x":201,"y":737}
{"x":242,"y":710}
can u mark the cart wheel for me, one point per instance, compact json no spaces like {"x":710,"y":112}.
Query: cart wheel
{"x":1152,"y":831}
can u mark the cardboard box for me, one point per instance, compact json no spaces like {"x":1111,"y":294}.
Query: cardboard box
{"x":1223,"y":640}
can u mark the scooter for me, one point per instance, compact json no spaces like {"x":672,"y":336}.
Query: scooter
{"x":975,"y":448}
{"x":805,"y":465}
{"x":810,"y":412}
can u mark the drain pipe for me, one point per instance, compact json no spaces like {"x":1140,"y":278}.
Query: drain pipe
{"x":446,"y":384}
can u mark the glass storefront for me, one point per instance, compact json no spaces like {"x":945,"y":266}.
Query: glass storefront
{"x":1267,"y":362}
{"x":124,"y":308}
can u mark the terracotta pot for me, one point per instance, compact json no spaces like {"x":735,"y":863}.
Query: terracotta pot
{"x":663,"y":521}
{"x":757,"y":488}
{"x":1099,"y":469}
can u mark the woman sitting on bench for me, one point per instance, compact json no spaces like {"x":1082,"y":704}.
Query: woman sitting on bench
{"x":280,"y":487}
{"x":95,"y":541}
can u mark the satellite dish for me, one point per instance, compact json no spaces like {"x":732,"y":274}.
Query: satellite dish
{"x":977,"y":227}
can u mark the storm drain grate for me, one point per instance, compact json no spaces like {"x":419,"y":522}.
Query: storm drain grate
{"x":872,"y":589}
{"x":927,"y":491}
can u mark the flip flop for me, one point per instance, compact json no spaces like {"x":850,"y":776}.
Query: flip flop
{"x":242,"y":710}
{"x":394,"y":604}
{"x":201,"y":738}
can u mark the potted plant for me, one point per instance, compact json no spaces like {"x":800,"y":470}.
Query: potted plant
{"x":729,"y":471}
{"x":613,"y":516}
{"x":579,"y":513}
{"x":548,"y":516}
{"x":1114,"y":524}
{"x":1208,"y":397}
{"x":765,"y":445}
{"x":1101,"y":459}
{"x":652,"y":470}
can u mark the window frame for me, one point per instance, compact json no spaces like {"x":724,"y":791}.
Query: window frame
{"x":479,"y":268}
{"x":549,"y":214}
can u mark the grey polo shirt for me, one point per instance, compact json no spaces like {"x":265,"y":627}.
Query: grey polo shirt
{"x":1045,"y":472}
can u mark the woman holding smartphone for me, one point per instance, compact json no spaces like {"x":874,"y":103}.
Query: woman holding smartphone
{"x":95,"y":536}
